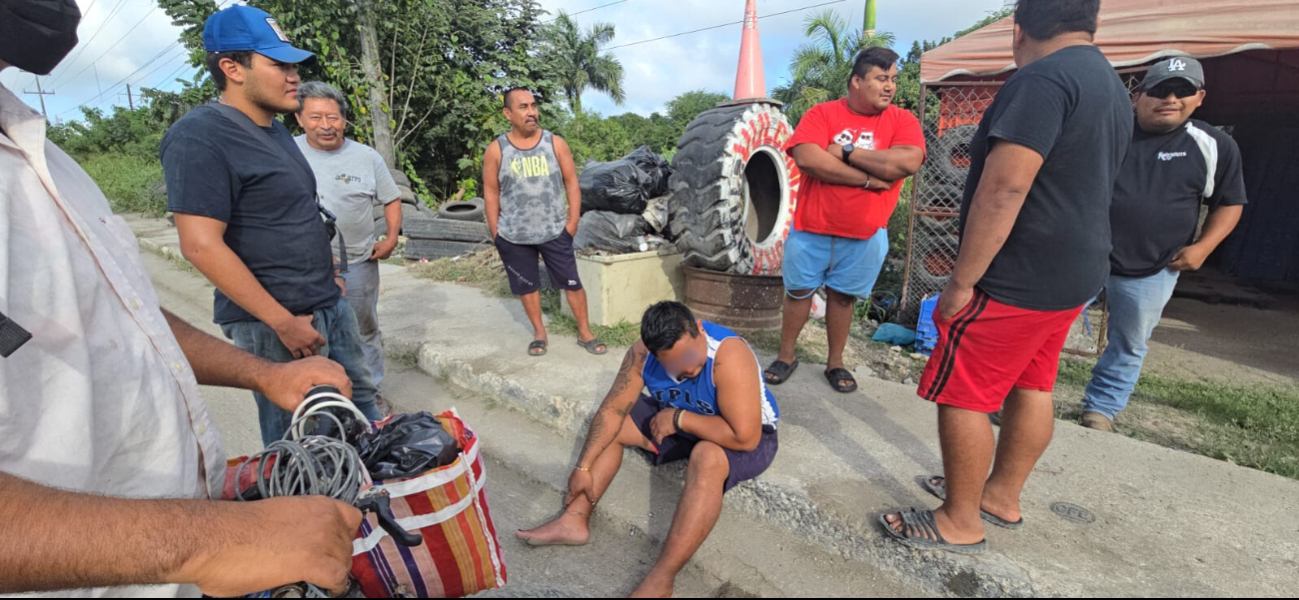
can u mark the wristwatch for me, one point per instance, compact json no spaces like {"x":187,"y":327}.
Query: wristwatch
{"x":847,"y":151}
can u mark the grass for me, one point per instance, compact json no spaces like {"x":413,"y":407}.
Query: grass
{"x":1256,"y":426}
{"x":129,"y":182}
{"x":481,"y":269}
{"x":622,"y":335}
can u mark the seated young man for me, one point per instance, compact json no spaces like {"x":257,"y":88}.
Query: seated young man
{"x":707,"y":402}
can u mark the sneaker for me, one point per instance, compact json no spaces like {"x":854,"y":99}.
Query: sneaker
{"x":1097,"y":421}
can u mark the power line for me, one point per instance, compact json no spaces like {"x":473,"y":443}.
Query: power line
{"x":119,"y":41}
{"x":586,"y":11}
{"x":99,"y":97}
{"x":83,"y":47}
{"x":741,"y":21}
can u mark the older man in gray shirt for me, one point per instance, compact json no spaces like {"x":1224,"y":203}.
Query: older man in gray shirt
{"x":351,"y":178}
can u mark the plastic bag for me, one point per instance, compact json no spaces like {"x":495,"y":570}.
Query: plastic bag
{"x":608,"y":231}
{"x":658,"y":213}
{"x":658,"y":169}
{"x":408,"y":445}
{"x":618,"y":186}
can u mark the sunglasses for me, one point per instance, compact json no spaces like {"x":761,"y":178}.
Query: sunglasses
{"x":1178,"y":87}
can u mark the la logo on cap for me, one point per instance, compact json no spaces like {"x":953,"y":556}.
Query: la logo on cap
{"x":1176,"y":65}
{"x":278,"y":32}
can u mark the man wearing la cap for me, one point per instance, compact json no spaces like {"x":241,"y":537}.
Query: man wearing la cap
{"x":1175,"y":165}
{"x":246,"y":209}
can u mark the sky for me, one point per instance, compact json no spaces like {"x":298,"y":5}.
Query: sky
{"x":133,"y":42}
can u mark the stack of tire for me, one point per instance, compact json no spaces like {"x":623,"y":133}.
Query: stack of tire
{"x":729,"y":158}
{"x":935,"y":237}
{"x":457,"y":228}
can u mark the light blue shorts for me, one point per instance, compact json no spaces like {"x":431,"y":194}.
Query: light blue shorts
{"x":845,"y":265}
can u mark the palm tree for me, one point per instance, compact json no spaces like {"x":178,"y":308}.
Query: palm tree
{"x":579,"y":63}
{"x":820,"y":69}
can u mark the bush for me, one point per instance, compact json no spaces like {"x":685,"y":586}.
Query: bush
{"x":132,"y":183}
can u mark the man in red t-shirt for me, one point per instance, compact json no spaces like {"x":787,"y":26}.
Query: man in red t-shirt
{"x":854,"y":154}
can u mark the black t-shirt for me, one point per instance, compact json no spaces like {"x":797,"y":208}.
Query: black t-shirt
{"x":214,"y":169}
{"x":1158,"y":194}
{"x":1071,"y":108}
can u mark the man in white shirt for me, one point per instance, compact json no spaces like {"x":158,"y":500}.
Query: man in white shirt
{"x":109,"y":464}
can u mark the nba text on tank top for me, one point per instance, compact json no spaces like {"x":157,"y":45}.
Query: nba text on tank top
{"x":534,"y":209}
{"x":699,"y":395}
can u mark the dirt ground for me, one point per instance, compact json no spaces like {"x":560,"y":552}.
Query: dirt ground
{"x":1237,"y":345}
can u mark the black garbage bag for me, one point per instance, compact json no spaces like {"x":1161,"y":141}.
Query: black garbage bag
{"x":408,"y":445}
{"x":603,"y":230}
{"x":619,"y":186}
{"x":657,"y":167}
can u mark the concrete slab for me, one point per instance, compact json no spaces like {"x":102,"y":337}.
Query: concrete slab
{"x":1166,"y":523}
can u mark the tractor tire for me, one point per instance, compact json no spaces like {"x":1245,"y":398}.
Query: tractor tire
{"x":949,"y":156}
{"x":734,"y":190}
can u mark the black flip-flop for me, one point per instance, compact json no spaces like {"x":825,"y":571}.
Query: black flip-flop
{"x":537,"y":348}
{"x":779,"y":372}
{"x":920,"y":531}
{"x":594,"y":346}
{"x":939,"y":490}
{"x":836,"y":377}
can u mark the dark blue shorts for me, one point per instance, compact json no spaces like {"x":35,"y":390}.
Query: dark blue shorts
{"x":525,"y":274}
{"x":744,"y":465}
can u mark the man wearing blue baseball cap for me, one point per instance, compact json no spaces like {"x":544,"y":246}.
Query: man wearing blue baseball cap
{"x":247,"y":211}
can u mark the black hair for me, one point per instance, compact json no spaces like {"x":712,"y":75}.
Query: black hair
{"x":1045,"y":19}
{"x":665,"y":323}
{"x":243,"y":57}
{"x":505,"y":98}
{"x":872,"y":57}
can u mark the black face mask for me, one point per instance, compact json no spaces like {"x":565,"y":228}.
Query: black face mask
{"x":36,"y":34}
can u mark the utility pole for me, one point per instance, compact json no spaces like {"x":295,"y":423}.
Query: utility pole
{"x":129,"y":101}
{"x":40,"y":93}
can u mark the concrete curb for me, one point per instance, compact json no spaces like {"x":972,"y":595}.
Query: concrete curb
{"x":783,"y":506}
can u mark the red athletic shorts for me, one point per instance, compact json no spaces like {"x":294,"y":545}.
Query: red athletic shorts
{"x":989,"y":348}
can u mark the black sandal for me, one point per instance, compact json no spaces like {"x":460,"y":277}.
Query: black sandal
{"x":595,"y":346}
{"x":837,"y":377}
{"x":921,"y":532}
{"x":779,"y":372}
{"x":937,"y":485}
{"x":537,"y":348}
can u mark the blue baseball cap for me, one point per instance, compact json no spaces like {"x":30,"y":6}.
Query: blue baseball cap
{"x":241,"y":28}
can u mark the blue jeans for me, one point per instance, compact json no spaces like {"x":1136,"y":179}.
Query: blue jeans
{"x":363,"y":295}
{"x":337,"y":325}
{"x":1135,"y":304}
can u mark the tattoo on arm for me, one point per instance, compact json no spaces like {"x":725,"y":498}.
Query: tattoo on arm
{"x":608,"y":420}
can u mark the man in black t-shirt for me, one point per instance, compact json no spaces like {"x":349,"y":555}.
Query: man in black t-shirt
{"x":1175,"y":165}
{"x":1035,"y":247}
{"x":247,"y":213}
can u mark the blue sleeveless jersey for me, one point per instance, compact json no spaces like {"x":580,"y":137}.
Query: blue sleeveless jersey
{"x":699,"y":395}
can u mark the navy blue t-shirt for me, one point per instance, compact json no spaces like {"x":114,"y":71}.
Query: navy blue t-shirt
{"x":214,"y":169}
{"x":1072,"y":108}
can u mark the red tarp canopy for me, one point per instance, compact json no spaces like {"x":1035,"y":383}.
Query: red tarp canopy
{"x":1136,"y":32}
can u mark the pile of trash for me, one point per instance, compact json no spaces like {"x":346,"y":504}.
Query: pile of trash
{"x":625,"y":204}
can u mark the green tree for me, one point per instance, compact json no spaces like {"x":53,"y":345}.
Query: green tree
{"x":575,"y":55}
{"x":820,"y":69}
{"x":684,"y":108}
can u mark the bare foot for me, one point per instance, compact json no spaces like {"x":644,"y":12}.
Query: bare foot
{"x":654,"y":586}
{"x":569,"y":529}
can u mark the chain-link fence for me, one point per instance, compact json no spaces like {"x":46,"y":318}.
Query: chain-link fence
{"x":952,"y":115}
